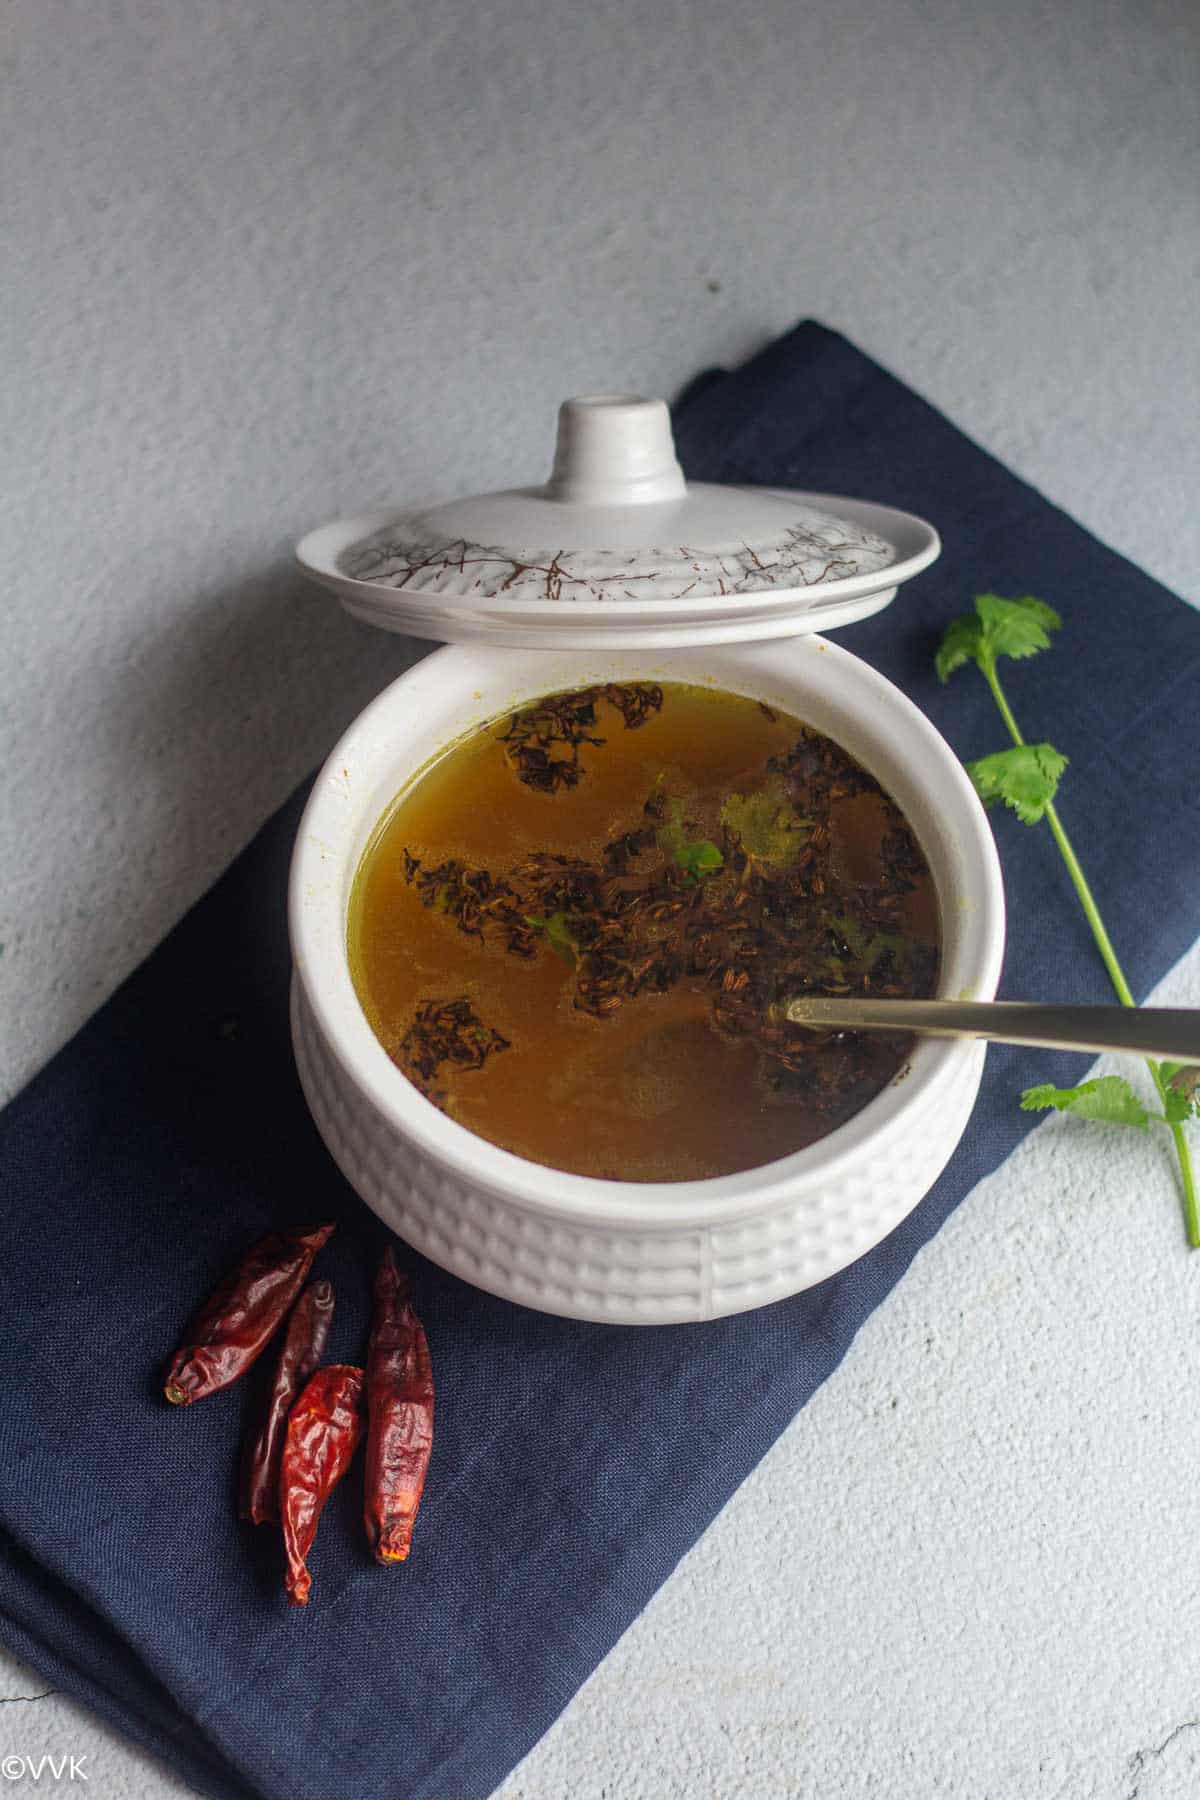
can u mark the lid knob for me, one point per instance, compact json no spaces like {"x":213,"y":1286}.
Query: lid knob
{"x":615,"y":450}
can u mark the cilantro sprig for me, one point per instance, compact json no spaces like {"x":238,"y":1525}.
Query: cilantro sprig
{"x":1026,"y":778}
{"x":695,"y":856}
{"x":558,"y":936}
{"x":1109,"y":1098}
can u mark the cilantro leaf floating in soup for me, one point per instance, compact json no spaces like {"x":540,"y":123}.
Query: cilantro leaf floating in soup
{"x":615,"y":888}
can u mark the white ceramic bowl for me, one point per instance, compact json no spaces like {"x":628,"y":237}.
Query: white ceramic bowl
{"x":633,"y":1252}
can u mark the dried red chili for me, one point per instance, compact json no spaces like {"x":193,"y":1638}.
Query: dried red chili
{"x":323,"y":1431}
{"x":303,"y":1346}
{"x":400,"y":1410}
{"x":238,"y":1321}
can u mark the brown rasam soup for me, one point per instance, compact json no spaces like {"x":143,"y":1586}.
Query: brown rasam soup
{"x":571,"y":931}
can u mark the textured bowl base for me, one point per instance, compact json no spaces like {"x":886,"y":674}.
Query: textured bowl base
{"x":625,"y":1274}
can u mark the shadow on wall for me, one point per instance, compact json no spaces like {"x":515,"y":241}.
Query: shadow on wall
{"x":182,"y":743}
{"x":221,"y":712}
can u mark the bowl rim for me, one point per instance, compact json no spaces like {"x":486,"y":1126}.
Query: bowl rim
{"x":326,"y":835}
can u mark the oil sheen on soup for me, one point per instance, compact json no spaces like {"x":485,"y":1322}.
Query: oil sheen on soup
{"x":575,"y":931}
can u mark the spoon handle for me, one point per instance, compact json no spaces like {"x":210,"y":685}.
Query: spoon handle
{"x":1163,"y":1032}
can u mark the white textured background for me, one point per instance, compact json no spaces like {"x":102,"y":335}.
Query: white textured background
{"x":270,"y":260}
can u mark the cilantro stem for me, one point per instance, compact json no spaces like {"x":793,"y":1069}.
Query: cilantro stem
{"x":1086,"y":898}
{"x":1190,"y":1211}
{"x":1191,"y":1208}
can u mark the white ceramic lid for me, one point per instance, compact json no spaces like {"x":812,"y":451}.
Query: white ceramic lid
{"x":617,"y":549}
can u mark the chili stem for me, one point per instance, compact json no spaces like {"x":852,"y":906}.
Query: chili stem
{"x":1191,"y":1209}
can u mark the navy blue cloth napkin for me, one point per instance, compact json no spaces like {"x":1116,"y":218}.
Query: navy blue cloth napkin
{"x":574,"y":1464}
